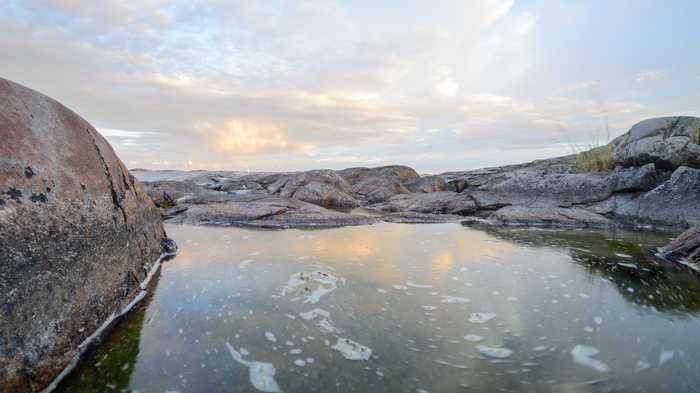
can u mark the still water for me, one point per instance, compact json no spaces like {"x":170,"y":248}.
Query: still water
{"x":407,"y":308}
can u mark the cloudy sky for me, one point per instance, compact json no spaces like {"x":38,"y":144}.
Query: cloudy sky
{"x":291,"y":85}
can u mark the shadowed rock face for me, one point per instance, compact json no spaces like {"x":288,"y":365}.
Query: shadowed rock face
{"x":77,"y":235}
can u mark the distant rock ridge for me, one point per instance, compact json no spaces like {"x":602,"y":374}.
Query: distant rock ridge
{"x":78,"y":236}
{"x":655,"y":182}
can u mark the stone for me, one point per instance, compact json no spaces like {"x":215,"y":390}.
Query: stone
{"x":573,"y":217}
{"x":373,"y":185}
{"x":427,"y":184}
{"x":77,"y":236}
{"x":667,"y":142}
{"x":685,"y":247}
{"x":674,"y":203}
{"x":445,"y":202}
{"x":321,"y":187}
{"x":531,"y":187}
{"x":270,"y":212}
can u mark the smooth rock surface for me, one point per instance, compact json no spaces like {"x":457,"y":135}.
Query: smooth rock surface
{"x":77,"y":235}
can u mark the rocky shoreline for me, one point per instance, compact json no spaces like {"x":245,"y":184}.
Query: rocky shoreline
{"x":654,"y":182}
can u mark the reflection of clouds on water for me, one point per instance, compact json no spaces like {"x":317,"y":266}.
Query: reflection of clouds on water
{"x":441,"y":306}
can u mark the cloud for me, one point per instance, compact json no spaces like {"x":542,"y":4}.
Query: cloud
{"x":650,"y":76}
{"x":263,"y":85}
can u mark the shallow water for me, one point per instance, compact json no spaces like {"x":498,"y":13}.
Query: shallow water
{"x":407,"y":308}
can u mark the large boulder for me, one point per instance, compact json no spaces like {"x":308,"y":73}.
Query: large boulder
{"x":321,"y":187}
{"x":77,"y":236}
{"x":668,"y":142}
{"x":379,"y":184}
{"x":675,"y":202}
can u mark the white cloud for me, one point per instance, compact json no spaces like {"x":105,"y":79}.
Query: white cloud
{"x":650,"y":76}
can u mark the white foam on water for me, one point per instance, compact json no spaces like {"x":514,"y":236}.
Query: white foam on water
{"x":641,"y":365}
{"x":493,"y":352}
{"x":665,"y":356}
{"x":598,"y":320}
{"x":415,"y":285}
{"x":324,"y":321}
{"x":243,"y":264}
{"x":399,"y":287}
{"x":295,"y":351}
{"x":481,"y":317}
{"x":446,"y":363}
{"x":474,"y":338}
{"x":429,"y":308}
{"x":261,"y":374}
{"x":512,"y":299}
{"x":302,"y":282}
{"x":381,"y":290}
{"x":453,"y":299}
{"x":583,"y":355}
{"x":628,"y":265}
{"x":270,"y":337}
{"x":299,"y":362}
{"x":352,"y":350}
{"x":621,"y":255}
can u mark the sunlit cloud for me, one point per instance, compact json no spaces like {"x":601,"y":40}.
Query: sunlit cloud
{"x":267,"y":86}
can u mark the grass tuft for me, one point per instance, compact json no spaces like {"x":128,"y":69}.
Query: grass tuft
{"x":598,"y":159}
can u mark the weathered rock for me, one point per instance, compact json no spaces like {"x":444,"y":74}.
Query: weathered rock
{"x":445,"y":202}
{"x":270,"y":212}
{"x":685,"y":247}
{"x":427,"y":184}
{"x":676,"y":202}
{"x":168,"y":193}
{"x":379,"y":184}
{"x":321,"y":187}
{"x":77,"y":236}
{"x":668,"y":142}
{"x":529,"y":187}
{"x":548,"y":216}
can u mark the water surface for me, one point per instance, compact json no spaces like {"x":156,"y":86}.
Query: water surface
{"x":407,"y":308}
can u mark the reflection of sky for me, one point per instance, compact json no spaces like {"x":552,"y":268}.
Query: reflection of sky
{"x":299,"y":85}
{"x":226,"y":285}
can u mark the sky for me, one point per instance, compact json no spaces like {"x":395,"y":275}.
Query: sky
{"x":294,"y":85}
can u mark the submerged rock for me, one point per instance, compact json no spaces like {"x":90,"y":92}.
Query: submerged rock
{"x":685,"y":247}
{"x":78,"y":235}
